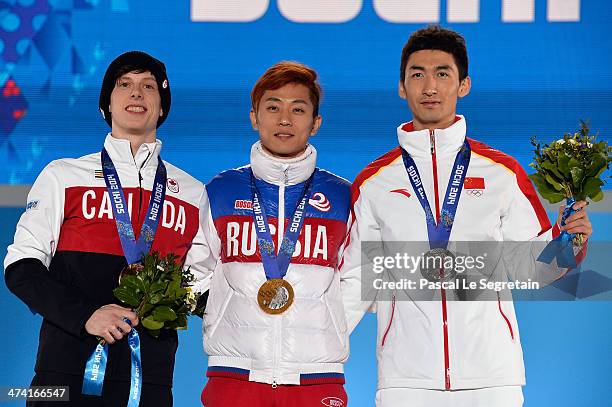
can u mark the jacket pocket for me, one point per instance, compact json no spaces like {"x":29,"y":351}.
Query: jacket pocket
{"x":215,"y":324}
{"x":508,"y":324}
{"x":384,"y":338}
{"x":336,"y":321}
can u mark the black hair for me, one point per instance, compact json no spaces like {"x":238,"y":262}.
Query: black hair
{"x":125,"y":69}
{"x":435,"y":37}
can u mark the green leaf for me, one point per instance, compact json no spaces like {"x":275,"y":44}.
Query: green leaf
{"x":598,"y":165}
{"x":155,"y":298}
{"x":553,"y":183}
{"x":577,"y":177}
{"x":146,"y":309}
{"x":544,"y":188}
{"x":158,"y":287}
{"x":127,"y":296}
{"x":573,"y":163}
{"x":552,"y":197}
{"x":592,"y":186}
{"x":151,"y":323}
{"x":548,"y":165}
{"x":563,"y":164}
{"x":176,"y":277}
{"x":598,"y":197}
{"x":130,"y":282}
{"x":143,"y":280}
{"x":174,"y":289}
{"x":538,"y":180}
{"x":164,"y":313}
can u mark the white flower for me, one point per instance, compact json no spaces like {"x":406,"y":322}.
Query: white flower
{"x":562,"y":141}
{"x":192,"y":298}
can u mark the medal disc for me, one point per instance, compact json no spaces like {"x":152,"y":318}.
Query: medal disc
{"x":437,"y":267}
{"x":130,"y":270}
{"x":275,"y":296}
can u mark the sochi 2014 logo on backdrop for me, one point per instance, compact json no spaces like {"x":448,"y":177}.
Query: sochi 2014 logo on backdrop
{"x":392,"y":11}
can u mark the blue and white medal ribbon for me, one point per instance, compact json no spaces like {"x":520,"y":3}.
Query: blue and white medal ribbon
{"x":276,"y":266}
{"x":276,"y":295}
{"x":134,"y":250}
{"x":561,"y":247}
{"x":95,"y":370}
{"x":136,"y":376}
{"x":439,"y":233}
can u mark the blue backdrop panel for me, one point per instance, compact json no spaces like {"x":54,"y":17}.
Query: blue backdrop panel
{"x":536,"y":77}
{"x":529,"y":78}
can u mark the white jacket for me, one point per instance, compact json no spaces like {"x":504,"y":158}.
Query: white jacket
{"x":307,"y":343}
{"x":66,"y":257}
{"x":444,"y":344}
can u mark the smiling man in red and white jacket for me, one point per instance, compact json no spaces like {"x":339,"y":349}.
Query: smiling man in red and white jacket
{"x":441,"y":352}
{"x":67,"y":254}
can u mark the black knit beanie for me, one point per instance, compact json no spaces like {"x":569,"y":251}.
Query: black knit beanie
{"x":140,"y":61}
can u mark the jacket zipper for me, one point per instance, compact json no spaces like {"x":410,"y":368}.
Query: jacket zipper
{"x":447,"y":382}
{"x":281,"y":212}
{"x":384,"y":338}
{"x":139,"y":197}
{"x":505,"y":317}
{"x":277,"y":341}
{"x":140,"y":179}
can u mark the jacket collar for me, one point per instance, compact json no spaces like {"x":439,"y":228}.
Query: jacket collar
{"x":418,"y":144}
{"x":280,"y":171}
{"x":120,"y":152}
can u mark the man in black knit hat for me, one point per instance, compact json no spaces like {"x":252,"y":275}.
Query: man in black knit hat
{"x":68,"y":251}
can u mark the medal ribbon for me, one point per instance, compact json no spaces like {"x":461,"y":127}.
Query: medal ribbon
{"x":136,"y":377}
{"x":95,"y":369}
{"x":561,"y":247}
{"x":277,"y":266}
{"x":439,"y":234}
{"x":132,"y":249}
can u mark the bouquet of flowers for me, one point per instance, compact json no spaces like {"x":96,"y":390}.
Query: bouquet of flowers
{"x":160,"y":292}
{"x":571,"y":168}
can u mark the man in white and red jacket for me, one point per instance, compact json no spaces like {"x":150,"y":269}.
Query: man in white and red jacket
{"x":274,"y":327}
{"x":67,"y":254}
{"x":441,"y":352}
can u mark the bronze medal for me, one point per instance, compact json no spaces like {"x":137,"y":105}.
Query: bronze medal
{"x":275,"y":296}
{"x":130,"y":270}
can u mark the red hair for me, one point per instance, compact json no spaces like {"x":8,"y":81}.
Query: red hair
{"x":283,"y":73}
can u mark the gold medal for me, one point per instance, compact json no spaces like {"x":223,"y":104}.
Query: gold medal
{"x":275,"y":296}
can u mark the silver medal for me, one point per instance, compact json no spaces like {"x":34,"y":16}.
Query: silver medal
{"x":438,"y":265}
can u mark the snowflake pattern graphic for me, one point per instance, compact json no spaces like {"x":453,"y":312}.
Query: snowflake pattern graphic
{"x":446,"y":219}
{"x":267,"y":247}
{"x":287,"y":247}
